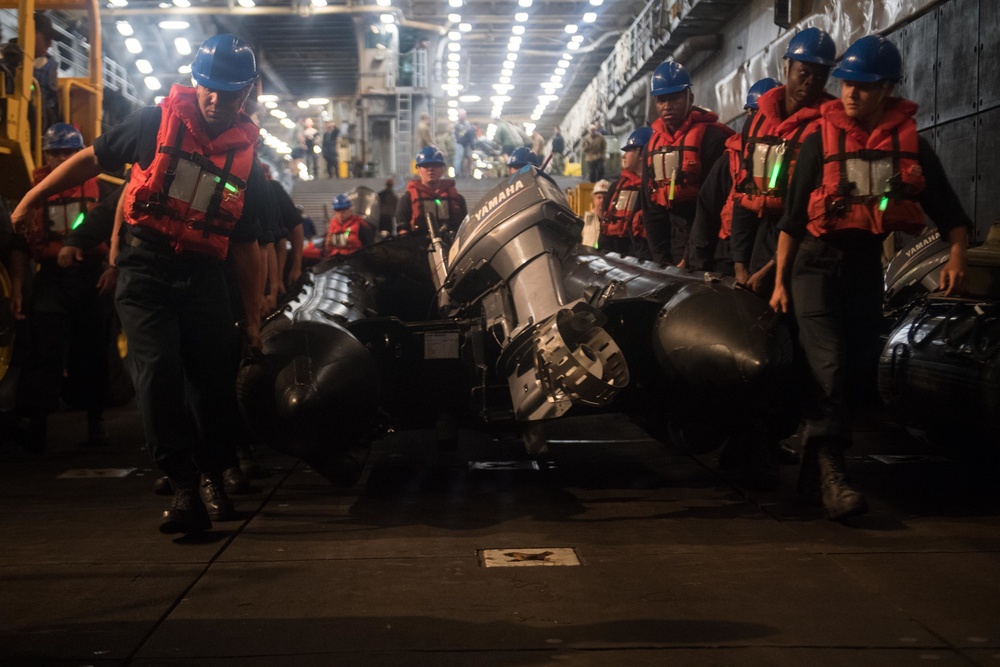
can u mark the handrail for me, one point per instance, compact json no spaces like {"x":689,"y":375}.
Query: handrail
{"x":36,"y":138}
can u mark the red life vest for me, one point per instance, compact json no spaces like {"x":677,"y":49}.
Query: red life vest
{"x":62,"y":213}
{"x":673,"y":159}
{"x":344,"y":236}
{"x":440,"y":201}
{"x":771,"y":147}
{"x":193,"y":191}
{"x":870,"y":180}
{"x":624,"y":208}
{"x":734,"y":151}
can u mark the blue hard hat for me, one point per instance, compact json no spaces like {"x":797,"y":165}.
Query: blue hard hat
{"x":812,"y":45}
{"x":758,"y":89}
{"x":62,"y":137}
{"x":522,"y":156}
{"x":872,"y":58}
{"x":341,"y":202}
{"x":224,"y":62}
{"x":638,"y":139}
{"x":669,"y":77}
{"x":429,"y":155}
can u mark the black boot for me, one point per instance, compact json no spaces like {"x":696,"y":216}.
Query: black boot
{"x":213,"y":493}
{"x":187,"y":513}
{"x":96,"y":435}
{"x":840,"y":500}
{"x":162,"y":487}
{"x":236,"y":482}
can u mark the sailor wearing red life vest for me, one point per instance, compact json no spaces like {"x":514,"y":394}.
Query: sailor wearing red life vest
{"x":866,"y":173}
{"x":430,"y":194}
{"x":708,"y":246}
{"x":787,"y":115}
{"x":346,"y":232}
{"x":622,"y":230}
{"x":67,"y":318}
{"x":686,"y":142}
{"x":191,"y":201}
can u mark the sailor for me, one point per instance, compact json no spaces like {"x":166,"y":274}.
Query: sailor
{"x":521,"y":158}
{"x":430,"y":194}
{"x":708,"y":245}
{"x":686,"y":142}
{"x":864,"y":174}
{"x":592,"y":218}
{"x":68,"y":319}
{"x":346,"y":232}
{"x":191,"y":200}
{"x":788,"y":115}
{"x":622,"y":230}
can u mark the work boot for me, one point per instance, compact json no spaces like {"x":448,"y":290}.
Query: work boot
{"x":213,"y":493}
{"x":187,"y":513}
{"x":248,"y":465}
{"x":96,"y":435}
{"x":840,"y":500}
{"x":236,"y":482}
{"x":162,"y":487}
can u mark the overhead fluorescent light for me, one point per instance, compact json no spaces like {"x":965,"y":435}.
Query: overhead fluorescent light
{"x":465,"y":27}
{"x":143,"y":66}
{"x":319,"y":101}
{"x":174,"y":25}
{"x":183,"y":46}
{"x":246,"y":3}
{"x":454,"y":18}
{"x":387,"y":18}
{"x":267,"y":98}
{"x":133,"y":45}
{"x":152,"y":83}
{"x":521,"y":17}
{"x":571,"y":28}
{"x":125,"y":28}
{"x":469,"y":98}
{"x":182,"y":3}
{"x":589,"y":17}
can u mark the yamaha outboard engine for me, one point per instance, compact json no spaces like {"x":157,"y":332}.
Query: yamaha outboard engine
{"x":507,"y":260}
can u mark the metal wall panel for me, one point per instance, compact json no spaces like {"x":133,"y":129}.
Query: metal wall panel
{"x":956,"y":146}
{"x":957,"y":59}
{"x":988,"y":171}
{"x":989,"y":54}
{"x":918,"y":45}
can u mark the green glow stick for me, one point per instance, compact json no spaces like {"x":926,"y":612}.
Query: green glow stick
{"x":78,"y":220}
{"x":883,"y":203}
{"x":229,"y":186}
{"x":774,"y":176}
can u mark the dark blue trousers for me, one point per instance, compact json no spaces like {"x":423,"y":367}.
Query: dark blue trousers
{"x":178,"y":320}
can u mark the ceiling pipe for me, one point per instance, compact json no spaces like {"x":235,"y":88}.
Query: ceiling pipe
{"x":272,"y":11}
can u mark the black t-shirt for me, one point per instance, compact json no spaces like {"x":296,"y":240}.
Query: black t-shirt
{"x":938,"y":199}
{"x":288,"y":216}
{"x":134,"y":141}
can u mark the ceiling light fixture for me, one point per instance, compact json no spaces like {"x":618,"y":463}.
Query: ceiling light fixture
{"x":246,"y":3}
{"x":183,"y":46}
{"x":143,"y":66}
{"x":174,"y":25}
{"x":152,"y":83}
{"x":125,"y":28}
{"x":133,"y":45}
{"x":589,"y":17}
{"x":518,"y":30}
{"x":465,"y":27}
{"x":521,"y":17}
{"x":571,"y":28}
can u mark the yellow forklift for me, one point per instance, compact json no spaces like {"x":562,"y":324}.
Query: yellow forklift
{"x":80,"y":103}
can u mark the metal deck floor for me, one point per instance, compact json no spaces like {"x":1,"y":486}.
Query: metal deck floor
{"x":678,"y":564}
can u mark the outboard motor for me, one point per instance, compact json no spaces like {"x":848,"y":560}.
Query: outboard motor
{"x":914,"y":270}
{"x":507,"y":260}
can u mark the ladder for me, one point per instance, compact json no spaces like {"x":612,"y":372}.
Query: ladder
{"x":404,"y":132}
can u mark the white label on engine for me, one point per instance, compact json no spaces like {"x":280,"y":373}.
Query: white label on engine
{"x":441,"y":345}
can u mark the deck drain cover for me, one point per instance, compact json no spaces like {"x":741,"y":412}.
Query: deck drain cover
{"x":84,"y":473}
{"x":528,"y":557}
